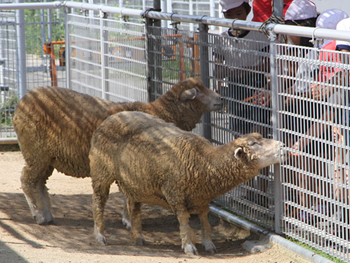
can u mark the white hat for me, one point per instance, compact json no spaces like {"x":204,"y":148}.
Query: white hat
{"x":230,"y":4}
{"x":329,"y":19}
{"x":300,"y":10}
{"x":345,"y":26}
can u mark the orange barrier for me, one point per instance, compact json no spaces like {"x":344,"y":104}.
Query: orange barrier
{"x":49,"y":49}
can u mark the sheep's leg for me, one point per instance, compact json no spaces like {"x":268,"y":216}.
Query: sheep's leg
{"x":186,"y":233}
{"x":134,"y":209}
{"x":33,"y":182}
{"x":126,"y":217}
{"x":206,"y":232}
{"x":99,"y":199}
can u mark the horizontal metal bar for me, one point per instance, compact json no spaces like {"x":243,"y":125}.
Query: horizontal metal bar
{"x":104,"y":8}
{"x":50,"y":5}
{"x":273,"y":238}
{"x":239,"y":24}
{"x":322,"y":33}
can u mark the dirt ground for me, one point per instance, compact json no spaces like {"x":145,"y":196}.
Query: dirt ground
{"x":71,"y":238}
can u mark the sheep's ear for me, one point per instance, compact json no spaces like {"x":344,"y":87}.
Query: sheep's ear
{"x":239,"y":153}
{"x":189,"y":94}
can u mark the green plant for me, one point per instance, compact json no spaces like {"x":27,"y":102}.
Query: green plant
{"x":34,"y":25}
{"x":319,"y":252}
{"x":7,"y":110}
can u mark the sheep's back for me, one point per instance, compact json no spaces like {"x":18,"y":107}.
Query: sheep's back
{"x":54,"y":126}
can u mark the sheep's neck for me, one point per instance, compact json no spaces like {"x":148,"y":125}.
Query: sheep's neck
{"x":224,"y":172}
{"x":168,"y":109}
{"x":163,"y":109}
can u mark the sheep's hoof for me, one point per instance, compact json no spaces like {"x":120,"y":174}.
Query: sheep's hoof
{"x":40,"y":219}
{"x":101,"y":239}
{"x":51,"y":222}
{"x":44,"y":222}
{"x":126,"y":223}
{"x":209,"y":246}
{"x":140,"y":241}
{"x":190,"y":249}
{"x":211,"y":251}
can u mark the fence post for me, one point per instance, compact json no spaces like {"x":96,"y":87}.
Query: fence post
{"x":67,"y":51}
{"x":153,"y":55}
{"x":104,"y":53}
{"x":149,"y":58}
{"x":204,"y":71}
{"x":278,"y":193}
{"x":275,"y":124}
{"x":278,"y":8}
{"x":43,"y":39}
{"x":21,"y":53}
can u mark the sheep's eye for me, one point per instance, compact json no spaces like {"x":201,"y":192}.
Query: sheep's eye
{"x":253,"y":143}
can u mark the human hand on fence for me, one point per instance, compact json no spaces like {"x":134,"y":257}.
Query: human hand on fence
{"x":262,"y":98}
{"x":338,"y":136}
{"x":319,"y":91}
{"x":325,"y":90}
{"x":299,"y":146}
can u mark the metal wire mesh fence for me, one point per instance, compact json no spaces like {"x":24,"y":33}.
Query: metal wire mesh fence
{"x":314,"y":126}
{"x":30,"y":57}
{"x":108,"y":59}
{"x":295,"y":94}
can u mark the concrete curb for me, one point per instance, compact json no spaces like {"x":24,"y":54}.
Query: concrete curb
{"x":6,"y":141}
{"x":272,"y":237}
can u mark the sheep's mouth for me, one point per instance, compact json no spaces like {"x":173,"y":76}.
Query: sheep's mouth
{"x":219,"y":104}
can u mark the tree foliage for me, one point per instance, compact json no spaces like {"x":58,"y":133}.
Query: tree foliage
{"x":38,"y":26}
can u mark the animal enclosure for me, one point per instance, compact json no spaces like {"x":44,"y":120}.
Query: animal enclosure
{"x":129,"y":55}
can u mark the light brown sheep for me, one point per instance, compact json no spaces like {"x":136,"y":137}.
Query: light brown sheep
{"x":54,"y":127}
{"x":156,"y":163}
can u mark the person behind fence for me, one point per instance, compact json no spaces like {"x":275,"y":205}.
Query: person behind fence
{"x":335,"y":91}
{"x":297,"y":72}
{"x":241,"y":67}
{"x":331,"y":77}
{"x":322,"y":134}
{"x":326,"y":74}
{"x":297,"y":76}
{"x":262,"y":9}
{"x":342,"y":180}
{"x":319,"y":149}
{"x":329,"y":20}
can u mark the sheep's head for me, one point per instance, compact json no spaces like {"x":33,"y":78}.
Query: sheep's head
{"x":186,"y":102}
{"x":194,"y":91}
{"x":191,"y":94}
{"x":258,"y":150}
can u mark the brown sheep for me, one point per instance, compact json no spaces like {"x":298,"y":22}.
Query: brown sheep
{"x":156,"y":163}
{"x":54,"y":127}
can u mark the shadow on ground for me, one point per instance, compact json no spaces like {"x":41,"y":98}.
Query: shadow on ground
{"x":73,"y":228}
